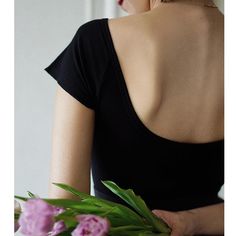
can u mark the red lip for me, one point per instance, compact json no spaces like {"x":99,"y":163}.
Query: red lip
{"x":120,"y":2}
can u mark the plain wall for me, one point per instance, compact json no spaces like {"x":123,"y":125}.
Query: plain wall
{"x":43,"y":28}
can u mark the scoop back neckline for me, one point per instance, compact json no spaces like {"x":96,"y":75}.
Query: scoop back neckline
{"x":127,"y":101}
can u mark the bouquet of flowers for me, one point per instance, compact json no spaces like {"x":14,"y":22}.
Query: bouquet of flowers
{"x":87,"y":216}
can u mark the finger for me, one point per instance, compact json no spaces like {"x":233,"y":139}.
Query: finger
{"x":168,"y":218}
{"x":157,"y":212}
{"x":161,"y":214}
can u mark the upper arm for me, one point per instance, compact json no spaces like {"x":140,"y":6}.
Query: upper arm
{"x":79,"y":71}
{"x":72,"y":138}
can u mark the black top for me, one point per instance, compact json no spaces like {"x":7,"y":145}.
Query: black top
{"x":167,"y":174}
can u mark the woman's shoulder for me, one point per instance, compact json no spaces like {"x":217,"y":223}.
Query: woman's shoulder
{"x":125,"y":25}
{"x":121,"y":23}
{"x":130,"y":22}
{"x":89,"y":39}
{"x":138,"y":29}
{"x":89,"y":28}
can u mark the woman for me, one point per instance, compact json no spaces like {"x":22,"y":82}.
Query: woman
{"x":140,"y":99}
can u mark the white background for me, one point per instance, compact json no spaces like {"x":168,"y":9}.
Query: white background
{"x":43,"y":28}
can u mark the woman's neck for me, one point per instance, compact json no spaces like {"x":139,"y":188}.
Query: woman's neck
{"x":204,"y":3}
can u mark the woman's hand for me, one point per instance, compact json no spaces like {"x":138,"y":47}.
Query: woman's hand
{"x":208,"y":220}
{"x":181,"y":223}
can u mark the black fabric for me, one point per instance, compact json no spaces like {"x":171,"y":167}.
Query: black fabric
{"x":167,"y":174}
{"x":77,"y":66}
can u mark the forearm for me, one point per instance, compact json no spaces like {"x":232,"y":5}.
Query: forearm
{"x":207,"y":220}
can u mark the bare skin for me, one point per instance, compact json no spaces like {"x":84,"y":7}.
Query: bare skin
{"x":174,"y":69}
{"x":71,"y":145}
{"x":174,"y":72}
{"x":200,"y":221}
{"x":171,"y":55}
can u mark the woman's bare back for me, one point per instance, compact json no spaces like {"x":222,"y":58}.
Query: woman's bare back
{"x":172,"y":60}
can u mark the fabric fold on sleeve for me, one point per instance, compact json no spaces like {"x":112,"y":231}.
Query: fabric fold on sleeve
{"x":70,"y":70}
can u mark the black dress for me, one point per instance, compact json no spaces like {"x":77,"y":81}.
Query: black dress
{"x":167,"y":174}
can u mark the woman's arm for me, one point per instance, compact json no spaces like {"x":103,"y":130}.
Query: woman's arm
{"x":207,"y":220}
{"x":72,"y":138}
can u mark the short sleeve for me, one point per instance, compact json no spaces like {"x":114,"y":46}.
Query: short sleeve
{"x":70,"y":70}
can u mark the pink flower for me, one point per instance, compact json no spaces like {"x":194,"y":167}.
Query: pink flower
{"x":37,"y":218}
{"x":58,"y":210}
{"x":58,"y":227}
{"x":16,"y":225}
{"x":91,"y":225}
{"x":17,"y":209}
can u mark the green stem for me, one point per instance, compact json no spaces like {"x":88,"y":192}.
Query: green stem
{"x":129,"y":228}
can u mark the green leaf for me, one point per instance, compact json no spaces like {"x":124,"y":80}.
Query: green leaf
{"x":131,"y":216}
{"x":72,"y":190}
{"x":65,"y":203}
{"x":118,"y":216}
{"x":137,"y":233}
{"x":21,"y":198}
{"x":31,"y":194}
{"x":139,"y":205}
{"x":122,"y":231}
{"x":128,"y":228}
{"x":163,"y":234}
{"x":68,"y":216}
{"x":113,"y":214}
{"x":16,"y":216}
{"x":67,"y":232}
